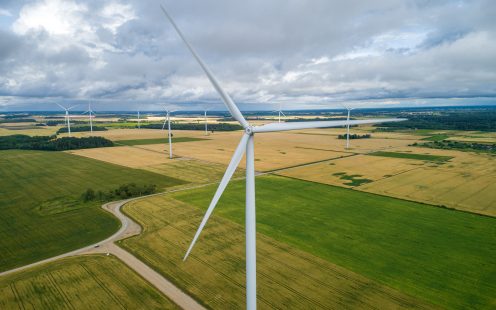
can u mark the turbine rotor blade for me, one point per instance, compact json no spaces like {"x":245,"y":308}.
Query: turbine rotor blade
{"x":283,"y":113}
{"x":320,"y":124}
{"x":61,"y":106}
{"x":238,"y":155}
{"x":72,"y":107}
{"x":165,"y":121}
{"x":231,"y":106}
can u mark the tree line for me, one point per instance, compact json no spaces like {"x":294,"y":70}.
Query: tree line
{"x":355,"y":136}
{"x":199,"y":126}
{"x":463,"y":120}
{"x":122,"y":192}
{"x":51,"y":143}
{"x":81,"y":129}
{"x":457,"y":145}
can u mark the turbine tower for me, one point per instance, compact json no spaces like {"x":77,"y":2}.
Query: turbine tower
{"x":280,"y":112}
{"x":90,"y":115}
{"x":348,"y":126}
{"x":67,"y":118}
{"x":246,"y":146}
{"x":169,"y":132}
{"x":206,"y":123}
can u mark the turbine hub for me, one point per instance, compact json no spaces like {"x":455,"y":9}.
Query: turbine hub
{"x":249,"y":130}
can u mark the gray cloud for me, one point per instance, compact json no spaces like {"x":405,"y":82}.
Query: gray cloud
{"x":301,"y":53}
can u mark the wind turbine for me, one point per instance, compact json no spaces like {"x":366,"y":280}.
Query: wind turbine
{"x":169,"y":132}
{"x":348,"y":126}
{"x":206,"y":123}
{"x":280,"y":112}
{"x":90,"y":115}
{"x":67,"y":119}
{"x":246,"y":146}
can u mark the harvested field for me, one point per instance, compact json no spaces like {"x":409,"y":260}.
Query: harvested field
{"x":366,"y":167}
{"x":192,"y":170}
{"x":214,"y":273}
{"x":438,"y":255}
{"x":156,"y":141}
{"x":127,"y":156}
{"x":84,"y":282}
{"x":467,"y":182}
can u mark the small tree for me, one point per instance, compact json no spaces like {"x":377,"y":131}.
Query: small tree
{"x":88,"y":195}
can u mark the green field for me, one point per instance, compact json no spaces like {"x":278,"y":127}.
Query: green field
{"x":436,"y":158}
{"x":83,"y":282}
{"x":40,"y":212}
{"x":442,"y":256}
{"x":156,"y":141}
{"x":214,"y":273}
{"x":438,"y":137}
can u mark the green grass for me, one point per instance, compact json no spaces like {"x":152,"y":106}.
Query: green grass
{"x":442,"y":256}
{"x":438,"y":137}
{"x":40,"y":212}
{"x":84,"y":282}
{"x":156,"y":141}
{"x":436,"y":158}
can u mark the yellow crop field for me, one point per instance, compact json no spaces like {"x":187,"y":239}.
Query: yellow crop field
{"x":192,"y":170}
{"x":371,"y":168}
{"x":31,"y":131}
{"x":134,"y":157}
{"x":214,"y":273}
{"x":466,"y":182}
{"x":83,"y":282}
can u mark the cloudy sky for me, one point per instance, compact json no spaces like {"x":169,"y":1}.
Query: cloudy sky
{"x":301,"y":54}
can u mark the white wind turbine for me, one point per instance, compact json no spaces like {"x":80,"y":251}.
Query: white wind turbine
{"x":90,"y":115}
{"x":206,"y":123}
{"x":348,"y":125}
{"x":280,"y":112}
{"x":169,"y":132}
{"x":246,"y":146}
{"x":67,"y":118}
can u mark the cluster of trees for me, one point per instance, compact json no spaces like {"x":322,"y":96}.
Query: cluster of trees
{"x":51,"y":143}
{"x":462,"y":120}
{"x":122,"y":192}
{"x":355,"y":136}
{"x":62,"y":122}
{"x":457,"y":145}
{"x":198,"y":126}
{"x":81,"y":128}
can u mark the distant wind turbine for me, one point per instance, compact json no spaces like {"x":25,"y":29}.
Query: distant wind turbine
{"x":280,"y":112}
{"x":348,"y":126}
{"x":67,"y":118}
{"x":246,"y":146}
{"x":90,"y":115}
{"x":169,"y":132}
{"x":206,"y":123}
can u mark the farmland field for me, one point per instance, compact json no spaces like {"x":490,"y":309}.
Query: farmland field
{"x":441,"y":256}
{"x":466,"y":182}
{"x":436,"y":158}
{"x":40,"y":212}
{"x":156,"y":141}
{"x":371,"y":168}
{"x":83,"y":282}
{"x":214,"y":273}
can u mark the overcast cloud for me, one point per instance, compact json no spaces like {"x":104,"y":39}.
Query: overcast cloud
{"x":303,"y":54}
